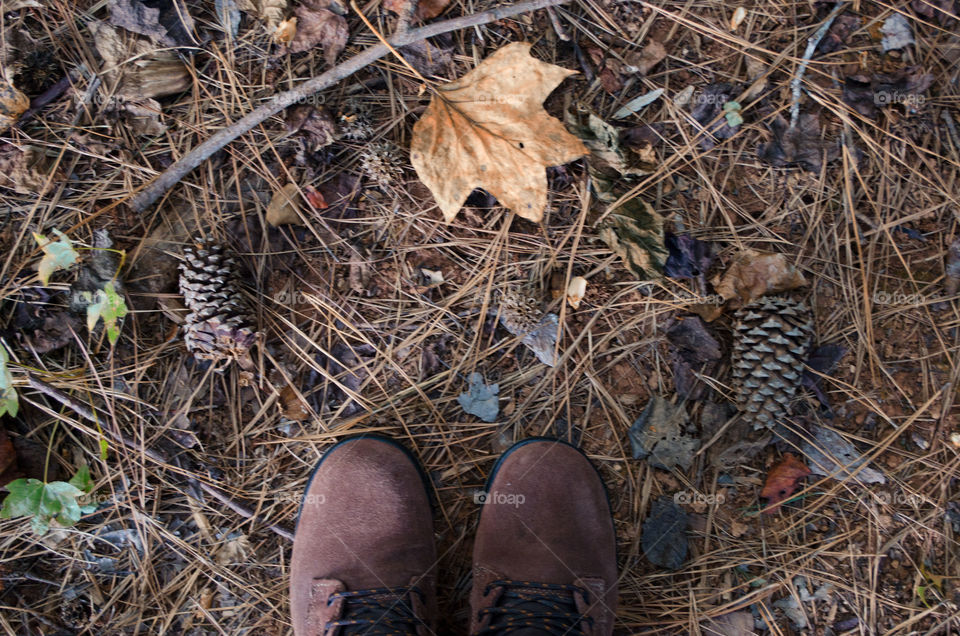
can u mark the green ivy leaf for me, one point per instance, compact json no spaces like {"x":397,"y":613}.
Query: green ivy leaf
{"x":56,"y":255}
{"x":108,"y":306}
{"x":731,"y":110}
{"x":8,"y":395}
{"x":45,"y":502}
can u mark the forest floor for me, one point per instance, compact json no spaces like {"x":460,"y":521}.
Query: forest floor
{"x":374,"y":310}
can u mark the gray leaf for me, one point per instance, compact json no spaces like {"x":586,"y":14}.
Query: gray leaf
{"x":657,"y":436}
{"x":664,"y":539}
{"x":831,"y":454}
{"x":481,"y":399}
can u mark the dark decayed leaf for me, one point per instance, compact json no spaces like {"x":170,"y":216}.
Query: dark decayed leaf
{"x":315,"y":124}
{"x":658,"y":436}
{"x":866,"y":94}
{"x":830,"y":454}
{"x":944,"y":11}
{"x":688,"y":257}
{"x":664,"y":539}
{"x":952,"y":269}
{"x":823,"y":360}
{"x":709,"y":105}
{"x":166,"y":22}
{"x":694,"y":353}
{"x":802,"y":146}
{"x":9,"y":470}
{"x":634,"y":231}
{"x":317,"y":25}
{"x":840,"y":30}
{"x":481,"y":398}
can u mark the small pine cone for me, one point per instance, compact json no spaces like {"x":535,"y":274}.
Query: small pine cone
{"x":219,"y":326}
{"x":355,"y":121}
{"x":381,"y":162}
{"x":772,"y":338}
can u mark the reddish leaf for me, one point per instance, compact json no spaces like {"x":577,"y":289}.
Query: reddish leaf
{"x":782,"y":482}
{"x":315,"y":198}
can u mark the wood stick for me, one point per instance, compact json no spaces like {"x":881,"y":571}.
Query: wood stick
{"x":180,"y":168}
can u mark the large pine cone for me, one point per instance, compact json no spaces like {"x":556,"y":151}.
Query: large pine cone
{"x":220,"y":325}
{"x":772,"y":338}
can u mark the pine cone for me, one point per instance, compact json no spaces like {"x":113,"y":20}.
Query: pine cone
{"x":355,"y":120}
{"x":381,"y":162}
{"x":772,"y":338}
{"x":219,"y":326}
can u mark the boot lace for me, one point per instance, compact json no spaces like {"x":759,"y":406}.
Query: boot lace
{"x":377,"y":612}
{"x":547,"y":606}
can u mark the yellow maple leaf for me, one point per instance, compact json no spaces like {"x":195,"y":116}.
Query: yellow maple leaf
{"x":488,"y":129}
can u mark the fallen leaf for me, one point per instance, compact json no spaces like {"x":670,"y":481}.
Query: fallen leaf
{"x":141,"y":116}
{"x":635,"y":233}
{"x":866,"y":93}
{"x":135,"y":67}
{"x":481,"y":398}
{"x":823,"y":360}
{"x":733,"y":624}
{"x":426,"y":9}
{"x":234,"y":550}
{"x":166,"y":22}
{"x":664,"y":534}
{"x":12,"y":104}
{"x":27,"y":170}
{"x":754,"y":274}
{"x":739,"y":15}
{"x":637,"y":104}
{"x":830,"y":454}
{"x":643,"y":62}
{"x":520,"y":316}
{"x":57,"y":255}
{"x":694,"y":354}
{"x":952,"y":269}
{"x":782,"y":482}
{"x":740,"y":452}
{"x":229,"y":16}
{"x":427,"y":58}
{"x":272,"y":12}
{"x":107,"y":305}
{"x":317,"y":25}
{"x":488,"y":129}
{"x":576,"y":290}
{"x":803,"y":146}
{"x":945,"y":11}
{"x":688,"y":256}
{"x":606,"y":153}
{"x":282,"y":209}
{"x":9,"y":404}
{"x":709,"y":106}
{"x":840,"y":30}
{"x":315,"y":198}
{"x":896,"y":33}
{"x":316,"y":125}
{"x":292,"y":406}
{"x":658,"y":436}
{"x":285,"y":32}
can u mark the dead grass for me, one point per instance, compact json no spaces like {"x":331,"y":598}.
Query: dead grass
{"x":171,"y":564}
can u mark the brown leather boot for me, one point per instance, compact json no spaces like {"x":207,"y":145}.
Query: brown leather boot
{"x":363,"y":553}
{"x":545,"y":559}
